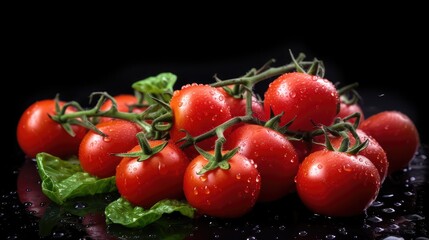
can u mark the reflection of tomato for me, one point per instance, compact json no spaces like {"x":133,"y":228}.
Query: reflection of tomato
{"x":274,"y":155}
{"x":37,"y":132}
{"x":219,"y":192}
{"x":96,"y":153}
{"x":337,"y":183}
{"x":124,"y":101}
{"x":96,"y":227}
{"x":396,"y":134}
{"x":29,"y":189}
{"x":159,"y":177}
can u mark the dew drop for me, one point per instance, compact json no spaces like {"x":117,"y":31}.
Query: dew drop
{"x":238,"y":176}
{"x":258,"y":178}
{"x":388,"y":210}
{"x":203,"y":178}
{"x":347,"y":168}
{"x":206,"y":190}
{"x":107,"y":139}
{"x":375,"y":219}
{"x":319,"y":166}
{"x":377,"y":204}
{"x":80,"y":205}
{"x":302,"y":233}
{"x":330,"y":236}
{"x":195,"y":191}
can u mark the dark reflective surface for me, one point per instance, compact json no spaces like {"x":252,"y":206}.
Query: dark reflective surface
{"x":398,"y":213}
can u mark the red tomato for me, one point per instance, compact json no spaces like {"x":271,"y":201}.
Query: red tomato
{"x":348,"y":109}
{"x":197,"y":109}
{"x":238,"y":106}
{"x":302,"y":148}
{"x":124,"y":101}
{"x":158,"y":177}
{"x":37,"y":132}
{"x":222,"y":193}
{"x":274,"y":155}
{"x":96,"y":153}
{"x":30,"y":191}
{"x":396,"y":134}
{"x":305,"y":98}
{"x":374,"y":152}
{"x":336,"y":183}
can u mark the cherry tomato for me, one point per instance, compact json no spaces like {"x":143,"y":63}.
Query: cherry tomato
{"x":222,"y":193}
{"x":274,"y":155}
{"x":304,"y":98}
{"x":238,"y":106}
{"x":37,"y":132}
{"x":397,"y":135}
{"x":30,"y":191}
{"x":124,"y":101}
{"x":336,"y":183}
{"x":348,"y":109}
{"x":373,"y":151}
{"x":96,"y":153}
{"x":197,"y":109}
{"x":158,"y":177}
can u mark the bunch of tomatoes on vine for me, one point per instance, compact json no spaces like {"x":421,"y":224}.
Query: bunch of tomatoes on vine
{"x":222,"y":148}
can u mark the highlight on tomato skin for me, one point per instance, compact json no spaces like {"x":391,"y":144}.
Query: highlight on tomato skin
{"x":396,"y":134}
{"x":337,"y":184}
{"x":37,"y":132}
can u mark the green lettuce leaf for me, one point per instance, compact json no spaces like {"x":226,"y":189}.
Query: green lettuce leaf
{"x":124,"y":213}
{"x":161,"y":83}
{"x":62,"y":180}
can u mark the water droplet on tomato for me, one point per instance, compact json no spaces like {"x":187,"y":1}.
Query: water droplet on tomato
{"x":203,"y":178}
{"x":347,"y":168}
{"x":206,"y":190}
{"x":249,"y":179}
{"x":319,"y":166}
{"x":107,"y":139}
{"x":238,"y":176}
{"x":258,"y":178}
{"x":195,"y":191}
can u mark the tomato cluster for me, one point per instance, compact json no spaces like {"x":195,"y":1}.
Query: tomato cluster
{"x":223,"y":148}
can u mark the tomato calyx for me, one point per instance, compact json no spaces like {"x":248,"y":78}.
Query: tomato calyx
{"x":345,"y":143}
{"x":316,"y":68}
{"x":217,"y":160}
{"x":147,"y":150}
{"x":348,"y":94}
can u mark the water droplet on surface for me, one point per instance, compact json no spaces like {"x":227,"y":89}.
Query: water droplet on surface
{"x":238,"y":176}
{"x":195,"y":191}
{"x":330,"y":236}
{"x":388,"y":210}
{"x":302,"y":233}
{"x":319,"y":166}
{"x":377,"y":204}
{"x":375,"y":219}
{"x":282,"y":227}
{"x":107,"y":139}
{"x":80,"y":205}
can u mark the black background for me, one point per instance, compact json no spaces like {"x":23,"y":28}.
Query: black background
{"x":47,"y":55}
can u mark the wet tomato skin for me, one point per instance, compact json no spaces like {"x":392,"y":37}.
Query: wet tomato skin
{"x":337,"y":184}
{"x":274,"y":155}
{"x":37,"y":132}
{"x":396,"y":134}
{"x":156,"y":178}
{"x":97,"y":153}
{"x":222,"y":193}
{"x":303,"y":98}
